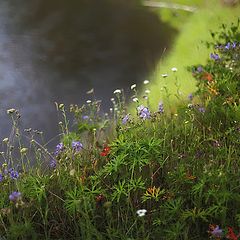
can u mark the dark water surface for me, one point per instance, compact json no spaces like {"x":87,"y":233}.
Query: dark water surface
{"x":57,"y":50}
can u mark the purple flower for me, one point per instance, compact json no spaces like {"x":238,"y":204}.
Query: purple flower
{"x":143,"y":112}
{"x":1,"y":177}
{"x":13,"y":174}
{"x":214,"y":56}
{"x":59,"y":148}
{"x":217,"y":232}
{"x":85,"y":117}
{"x":77,"y":146}
{"x":234,"y":45}
{"x":125,"y":119}
{"x":160,"y":107}
{"x":228,"y":46}
{"x":199,"y":69}
{"x":190,"y":97}
{"x":14,"y":196}
{"x":53,"y":163}
{"x":201,"y":109}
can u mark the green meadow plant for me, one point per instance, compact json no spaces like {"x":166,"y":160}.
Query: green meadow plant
{"x":152,"y":174}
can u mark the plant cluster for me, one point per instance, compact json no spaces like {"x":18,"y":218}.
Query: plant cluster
{"x":151,"y":175}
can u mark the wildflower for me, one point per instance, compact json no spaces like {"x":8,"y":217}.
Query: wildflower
{"x":199,"y":69}
{"x":1,"y":177}
{"x":143,"y":112}
{"x":14,"y":196}
{"x":160,"y":107}
{"x":135,"y":99}
{"x":190,"y":97}
{"x":11,"y":110}
{"x":117,"y":91}
{"x":133,"y":86}
{"x":23,"y":150}
{"x":214,"y":56}
{"x":174,"y":69}
{"x":208,"y":77}
{"x":13,"y":174}
{"x":231,"y":235}
{"x":85,"y":117}
{"x":125,"y":119}
{"x":59,"y":148}
{"x":88,"y":101}
{"x":234,"y":45}
{"x":105,"y":151}
{"x":228,"y":46}
{"x":53,"y":163}
{"x":164,"y":75}
{"x":5,"y":140}
{"x":77,"y":146}
{"x":141,"y":212}
{"x":201,"y":109}
{"x":215,"y":231}
{"x":145,"y":82}
{"x":147,"y":91}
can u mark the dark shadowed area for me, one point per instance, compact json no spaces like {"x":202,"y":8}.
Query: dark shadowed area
{"x":57,"y":50}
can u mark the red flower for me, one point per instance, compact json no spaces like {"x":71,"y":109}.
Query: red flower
{"x":105,"y":151}
{"x":231,"y":235}
{"x":207,"y":76}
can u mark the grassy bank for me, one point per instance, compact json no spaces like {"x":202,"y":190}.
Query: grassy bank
{"x":189,"y":48}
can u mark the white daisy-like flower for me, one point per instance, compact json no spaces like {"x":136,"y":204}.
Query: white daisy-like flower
{"x":164,"y":75}
{"x":117,"y":91}
{"x":11,"y":110}
{"x":141,"y":212}
{"x":174,"y":69}
{"x":145,"y":82}
{"x":147,"y":91}
{"x":133,"y":86}
{"x":88,"y":101}
{"x":135,"y":99}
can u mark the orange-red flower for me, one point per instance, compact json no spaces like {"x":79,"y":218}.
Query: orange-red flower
{"x":231,"y":235}
{"x":105,"y":151}
{"x":207,"y":76}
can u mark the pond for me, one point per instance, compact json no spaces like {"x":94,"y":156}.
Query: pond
{"x":55,"y":51}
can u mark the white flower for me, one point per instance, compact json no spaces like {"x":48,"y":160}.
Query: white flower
{"x":174,"y":69}
{"x":88,"y":101}
{"x":11,"y":110}
{"x":164,"y":75}
{"x":112,"y":100}
{"x":117,"y":91}
{"x":141,"y":212}
{"x":147,"y":91}
{"x":133,"y":86}
{"x":135,"y":99}
{"x":145,"y":82}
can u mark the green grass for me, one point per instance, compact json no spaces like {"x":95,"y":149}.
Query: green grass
{"x":188,"y":49}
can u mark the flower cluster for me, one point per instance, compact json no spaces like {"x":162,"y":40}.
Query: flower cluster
{"x":215,"y":56}
{"x":105,"y":151}
{"x":143,"y":112}
{"x":77,"y":146}
{"x":15,"y":196}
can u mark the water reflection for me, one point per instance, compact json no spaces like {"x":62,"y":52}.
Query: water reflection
{"x":57,"y":50}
